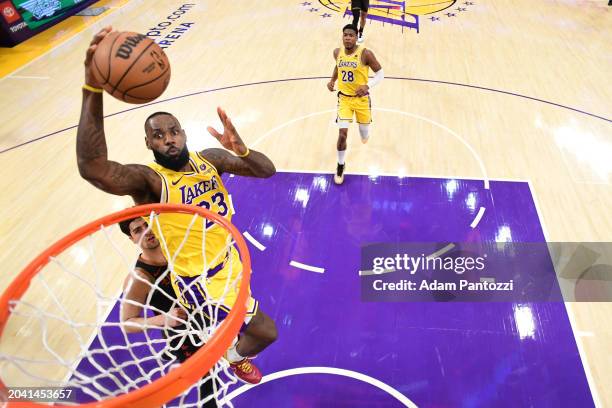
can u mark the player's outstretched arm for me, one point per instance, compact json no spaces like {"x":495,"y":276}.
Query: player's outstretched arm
{"x":136,"y":290}
{"x":92,"y":158}
{"x":243,"y":162}
{"x":138,"y":181}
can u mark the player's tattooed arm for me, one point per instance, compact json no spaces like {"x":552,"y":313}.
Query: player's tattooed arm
{"x":136,"y":180}
{"x":243,"y":162}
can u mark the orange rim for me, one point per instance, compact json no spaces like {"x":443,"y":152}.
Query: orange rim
{"x":180,"y":379}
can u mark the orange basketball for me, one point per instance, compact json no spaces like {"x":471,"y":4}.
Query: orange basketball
{"x":131,"y":67}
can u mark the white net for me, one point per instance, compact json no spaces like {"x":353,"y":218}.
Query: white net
{"x":96,"y":323}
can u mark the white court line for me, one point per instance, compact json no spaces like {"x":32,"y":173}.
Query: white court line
{"x":371,"y":272}
{"x":253,"y":241}
{"x":323,"y":370}
{"x":282,"y":125}
{"x":307,"y":267}
{"x":452,"y":132}
{"x":441,"y":251}
{"x":413,"y":115}
{"x":430,"y":121}
{"x":27,"y":77}
{"x":585,"y":362}
{"x":231,"y":203}
{"x":481,"y":212}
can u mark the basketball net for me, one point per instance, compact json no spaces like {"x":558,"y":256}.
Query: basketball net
{"x":50,"y":339}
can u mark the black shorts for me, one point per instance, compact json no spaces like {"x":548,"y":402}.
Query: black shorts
{"x":180,"y":348}
{"x":180,"y":344}
{"x":362,"y":5}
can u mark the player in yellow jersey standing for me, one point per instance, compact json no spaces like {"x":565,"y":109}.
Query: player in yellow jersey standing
{"x":180,"y":176}
{"x":353,"y":63}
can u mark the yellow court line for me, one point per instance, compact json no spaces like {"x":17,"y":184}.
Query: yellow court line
{"x":11,"y":59}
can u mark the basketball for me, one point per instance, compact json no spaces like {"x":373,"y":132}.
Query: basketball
{"x":131,"y":67}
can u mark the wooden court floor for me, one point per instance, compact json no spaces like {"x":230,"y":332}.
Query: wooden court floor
{"x":479,"y":89}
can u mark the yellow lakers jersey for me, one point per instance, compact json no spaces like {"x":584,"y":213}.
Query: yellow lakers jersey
{"x":202,"y":186}
{"x":352,"y":73}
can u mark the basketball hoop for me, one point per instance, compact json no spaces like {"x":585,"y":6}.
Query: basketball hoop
{"x":144,"y":392}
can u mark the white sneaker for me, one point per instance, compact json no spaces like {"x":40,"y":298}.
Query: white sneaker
{"x":361,"y":39}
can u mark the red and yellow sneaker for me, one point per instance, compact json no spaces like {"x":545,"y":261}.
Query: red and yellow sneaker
{"x":246,"y":371}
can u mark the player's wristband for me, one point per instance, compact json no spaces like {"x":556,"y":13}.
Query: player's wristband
{"x":244,"y":155}
{"x":92,"y":89}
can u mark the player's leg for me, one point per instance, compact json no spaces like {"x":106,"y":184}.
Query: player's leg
{"x":258,"y":330}
{"x":180,"y":347}
{"x":364,"y":132}
{"x":206,"y":389}
{"x":365,"y":6}
{"x":356,"y":10}
{"x":259,"y":333}
{"x":344,"y":118}
{"x":341,"y":149}
{"x":363,"y":112}
{"x":206,"y":385}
